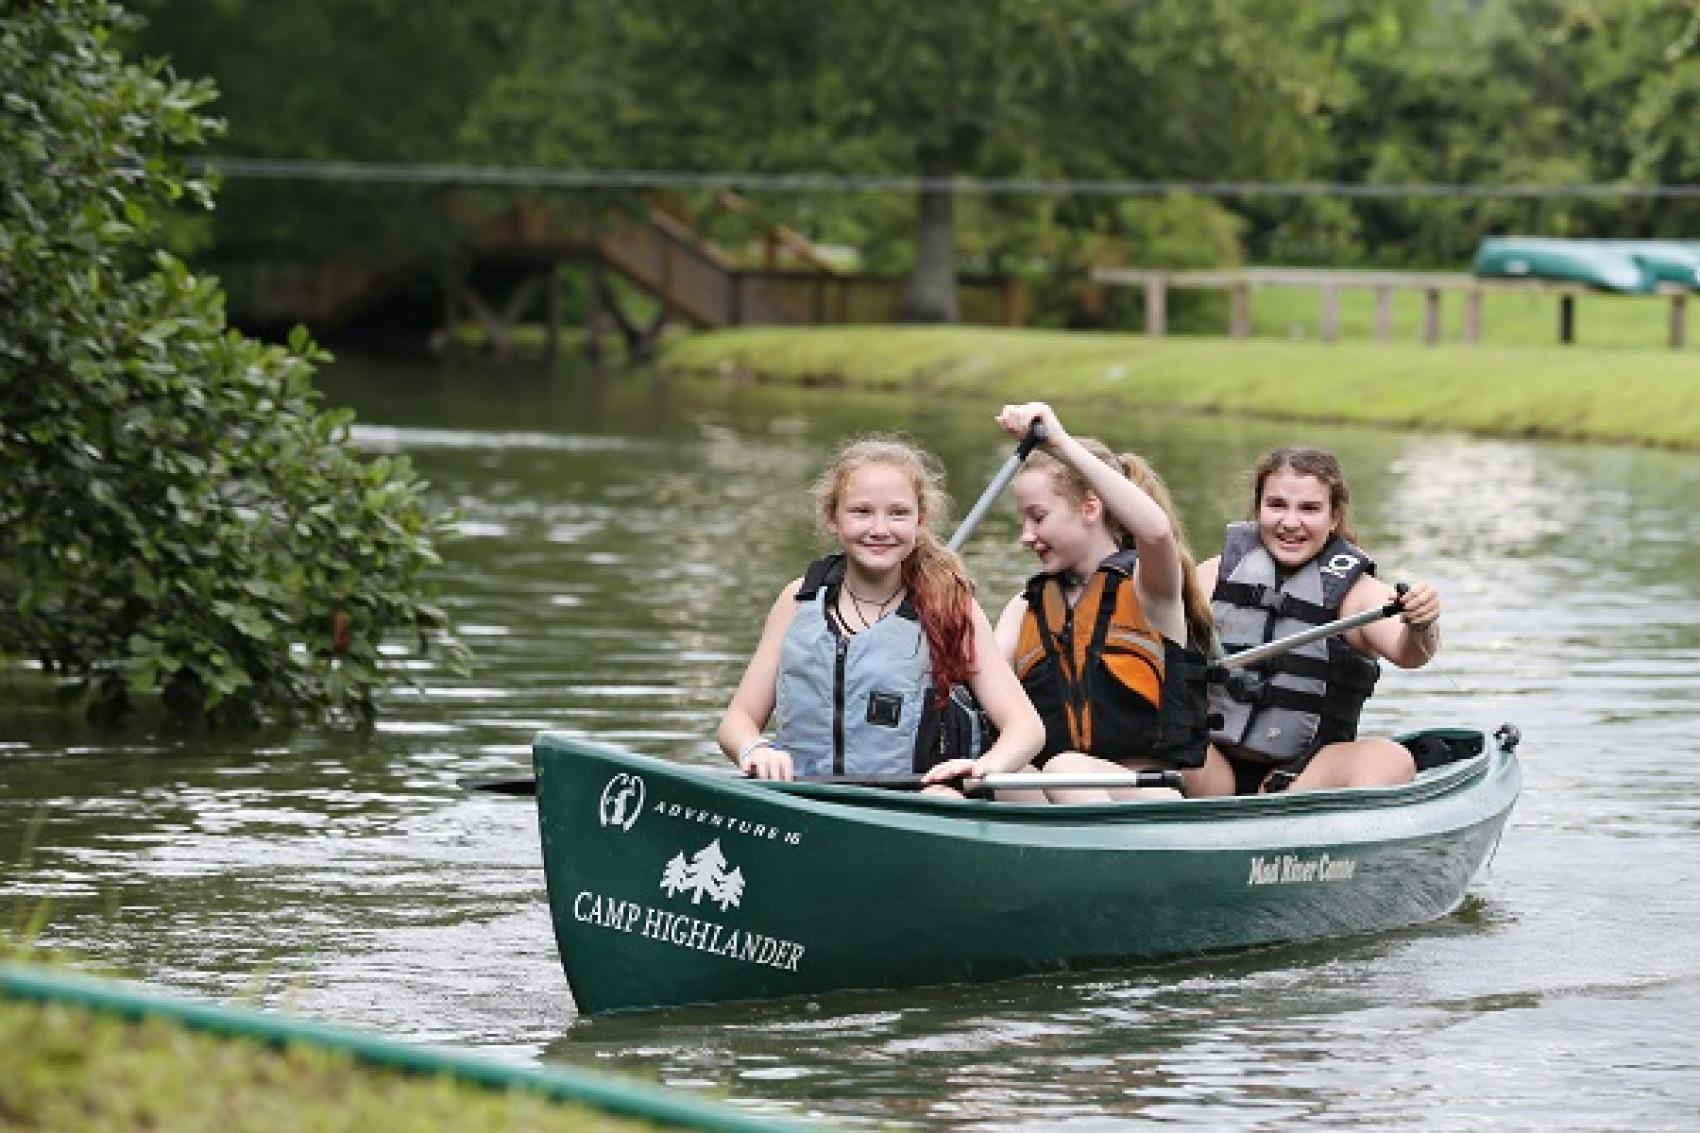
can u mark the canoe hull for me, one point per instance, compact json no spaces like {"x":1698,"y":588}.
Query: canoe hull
{"x":1597,"y":264}
{"x":670,"y":885}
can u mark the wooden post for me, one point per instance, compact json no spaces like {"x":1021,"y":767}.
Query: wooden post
{"x":443,"y":341}
{"x":593,"y":310}
{"x":1678,"y":320}
{"x":1156,"y":305}
{"x":1431,"y":316}
{"x":552,"y":312}
{"x":1567,"y":318}
{"x":1014,"y":302}
{"x":1330,"y":311}
{"x":1239,"y":310}
{"x":1383,"y":313}
{"x":1473,"y":315}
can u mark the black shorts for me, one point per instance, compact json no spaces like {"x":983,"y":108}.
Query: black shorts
{"x":1255,"y":776}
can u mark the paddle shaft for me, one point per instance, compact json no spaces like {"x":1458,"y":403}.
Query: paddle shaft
{"x":1316,"y":633}
{"x":1041,"y":781}
{"x":1035,"y":436}
{"x":1033,"y":780}
{"x":1010,"y":781}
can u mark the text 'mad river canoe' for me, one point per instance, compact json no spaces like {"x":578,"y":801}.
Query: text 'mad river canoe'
{"x":672,"y":885}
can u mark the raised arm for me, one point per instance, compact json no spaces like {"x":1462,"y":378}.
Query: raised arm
{"x":740,"y":729}
{"x":1160,"y":577}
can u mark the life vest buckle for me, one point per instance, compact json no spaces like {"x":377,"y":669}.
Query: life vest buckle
{"x":1246,"y":686}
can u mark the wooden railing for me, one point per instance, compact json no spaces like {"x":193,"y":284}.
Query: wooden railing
{"x":1329,"y":282}
{"x":690,"y":276}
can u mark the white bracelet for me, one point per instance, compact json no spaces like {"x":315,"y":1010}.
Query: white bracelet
{"x":744,"y":752}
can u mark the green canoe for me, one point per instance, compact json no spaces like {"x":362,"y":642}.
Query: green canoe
{"x":671,"y":885}
{"x":1594,"y":263}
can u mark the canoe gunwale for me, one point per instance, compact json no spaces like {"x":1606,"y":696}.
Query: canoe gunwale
{"x":868,"y":802}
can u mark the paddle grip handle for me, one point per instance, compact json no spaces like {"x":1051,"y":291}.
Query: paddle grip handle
{"x":1034,"y":438}
{"x":1400,"y":589}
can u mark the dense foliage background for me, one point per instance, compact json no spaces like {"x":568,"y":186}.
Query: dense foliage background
{"x":177,"y":513}
{"x":1376,"y":92}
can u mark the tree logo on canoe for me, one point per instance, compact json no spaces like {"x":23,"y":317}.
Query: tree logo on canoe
{"x":622,"y":801}
{"x":705,"y":873}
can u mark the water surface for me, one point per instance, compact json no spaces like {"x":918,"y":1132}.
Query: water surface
{"x":622,"y":541}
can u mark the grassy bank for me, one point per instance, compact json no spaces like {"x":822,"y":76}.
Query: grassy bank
{"x":65,"y":1068}
{"x":1642,"y":396}
{"x":96,"y":1054}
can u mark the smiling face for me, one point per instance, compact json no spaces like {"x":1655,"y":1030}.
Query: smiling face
{"x":1057,"y":529}
{"x":1295,"y":517}
{"x":877,"y":518}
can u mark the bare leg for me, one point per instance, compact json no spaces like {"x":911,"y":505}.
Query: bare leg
{"x":1372,"y":762}
{"x":1074,"y":763}
{"x":1214,"y":779}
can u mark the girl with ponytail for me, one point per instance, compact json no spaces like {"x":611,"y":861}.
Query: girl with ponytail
{"x":864,"y":659}
{"x":1109,"y":638}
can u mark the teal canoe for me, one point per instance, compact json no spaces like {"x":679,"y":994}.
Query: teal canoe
{"x":672,"y":885}
{"x":1593,"y":263}
{"x":1667,"y":261}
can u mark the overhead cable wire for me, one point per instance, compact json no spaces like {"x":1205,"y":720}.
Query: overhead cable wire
{"x":532,"y":177}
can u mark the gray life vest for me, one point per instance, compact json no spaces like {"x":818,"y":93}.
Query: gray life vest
{"x":1284,"y":709}
{"x":860,"y":704}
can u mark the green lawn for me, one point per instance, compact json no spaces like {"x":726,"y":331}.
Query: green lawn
{"x":1648,"y":395}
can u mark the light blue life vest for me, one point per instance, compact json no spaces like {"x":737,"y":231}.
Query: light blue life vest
{"x":852,"y":704}
{"x":1284,"y":709}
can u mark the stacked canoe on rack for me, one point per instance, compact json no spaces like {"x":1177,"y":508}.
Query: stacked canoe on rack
{"x":1635,"y":267}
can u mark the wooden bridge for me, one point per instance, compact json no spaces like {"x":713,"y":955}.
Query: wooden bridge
{"x":512,"y":268}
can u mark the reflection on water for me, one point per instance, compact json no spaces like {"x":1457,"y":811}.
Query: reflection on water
{"x":621,"y":543}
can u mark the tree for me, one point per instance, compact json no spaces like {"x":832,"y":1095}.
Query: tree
{"x":1487,"y":92}
{"x":351,"y":80}
{"x":177,"y":513}
{"x":1004,"y":88}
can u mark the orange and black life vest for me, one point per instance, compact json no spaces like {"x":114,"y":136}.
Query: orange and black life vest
{"x":1095,"y":671}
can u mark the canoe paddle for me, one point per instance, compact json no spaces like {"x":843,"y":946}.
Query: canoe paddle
{"x":1013,"y":781}
{"x":1256,"y":653}
{"x":1035,"y":437}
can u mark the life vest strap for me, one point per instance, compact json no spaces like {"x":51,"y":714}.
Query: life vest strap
{"x":1260,"y":596}
{"x":1253,"y":689}
{"x":1346,"y":671}
{"x":826,"y":571}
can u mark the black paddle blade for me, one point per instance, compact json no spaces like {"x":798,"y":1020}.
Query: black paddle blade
{"x":520,"y":788}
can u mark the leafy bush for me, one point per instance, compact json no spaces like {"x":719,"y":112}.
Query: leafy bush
{"x":178,"y":515}
{"x":1178,"y":230}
